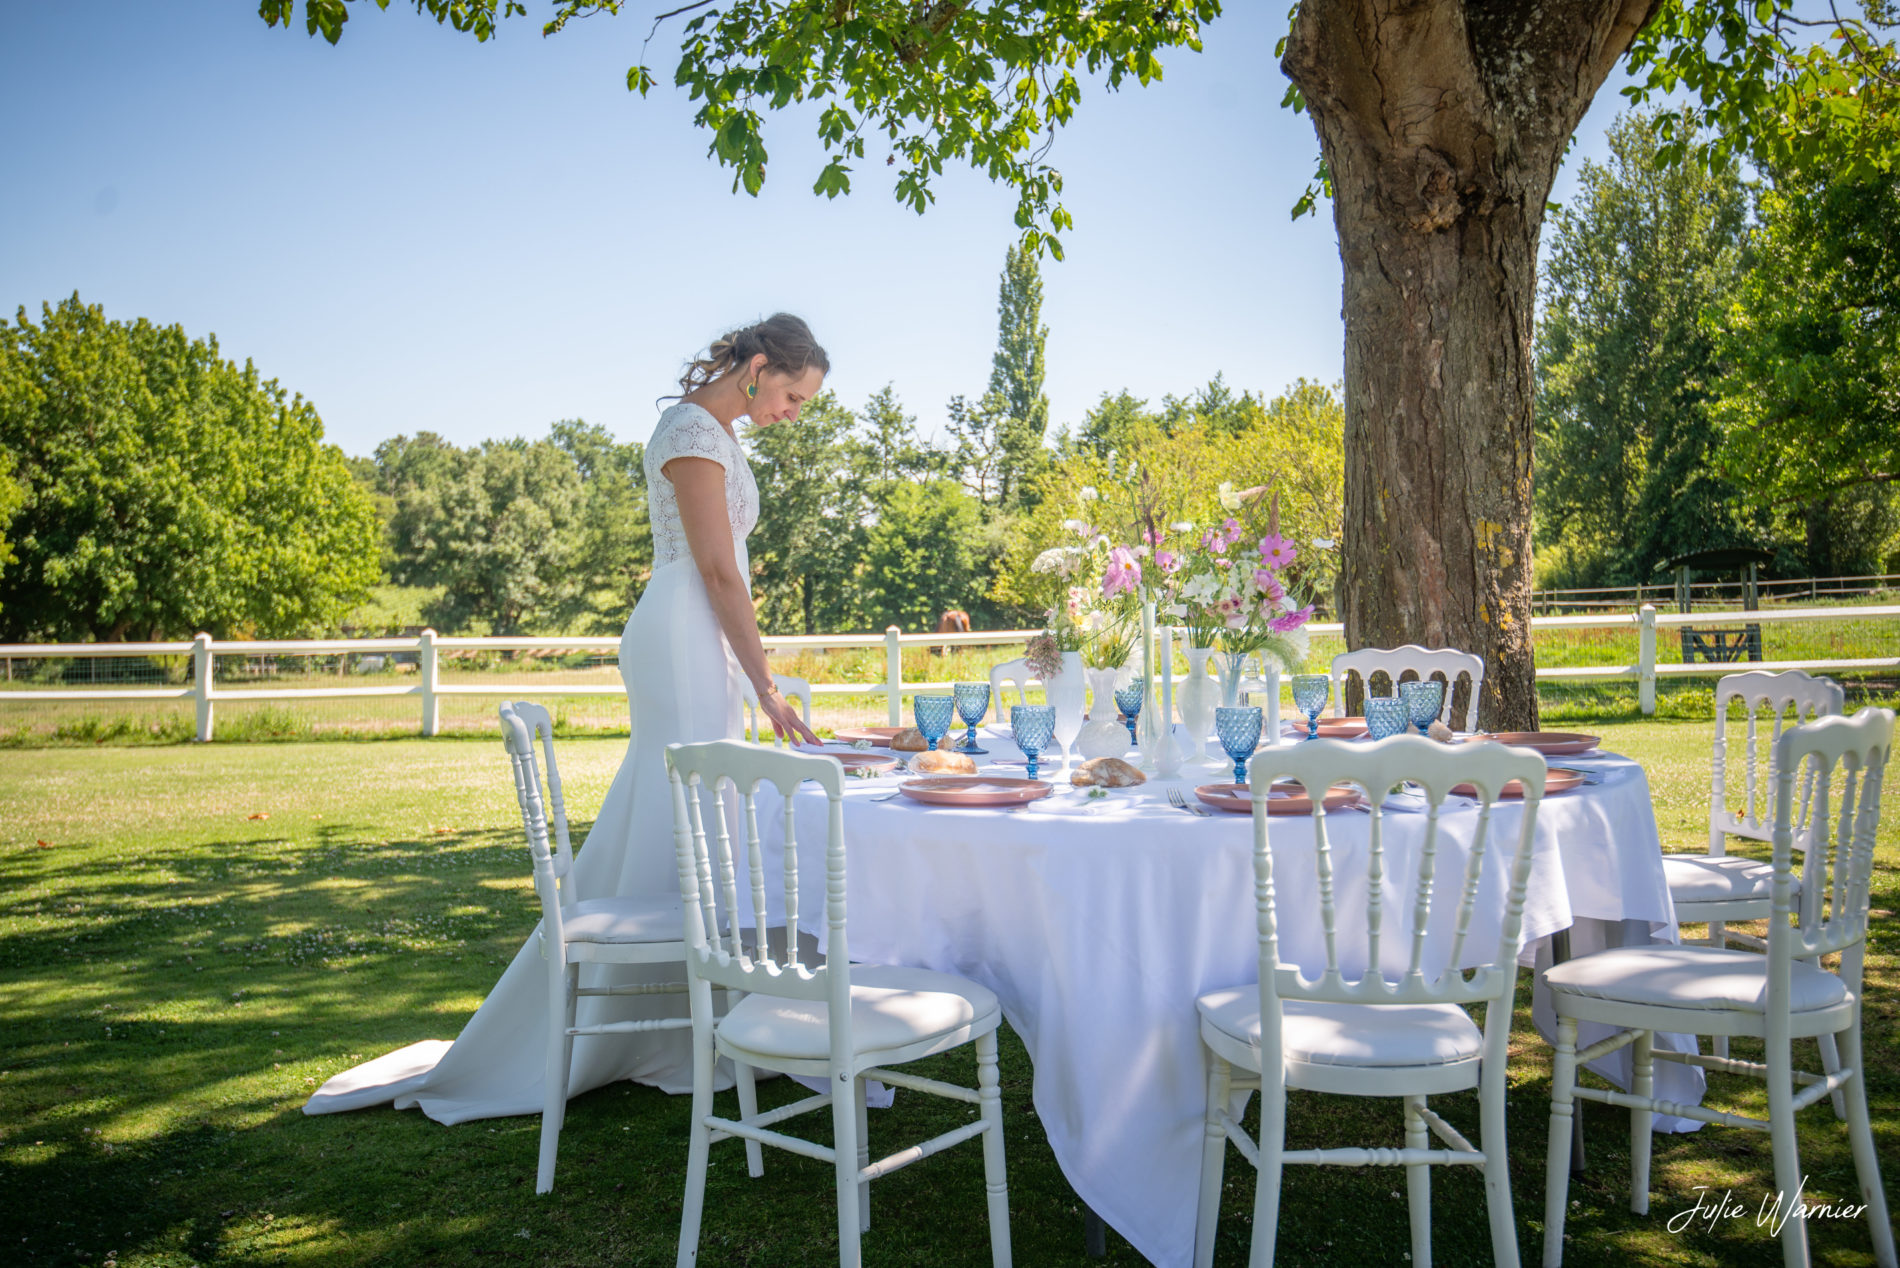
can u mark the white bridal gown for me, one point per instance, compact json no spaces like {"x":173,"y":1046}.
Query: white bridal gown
{"x":683,"y":686}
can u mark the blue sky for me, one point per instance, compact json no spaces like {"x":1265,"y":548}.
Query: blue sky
{"x":419,"y":232}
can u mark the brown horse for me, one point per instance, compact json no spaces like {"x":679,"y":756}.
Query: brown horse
{"x":955,"y":621}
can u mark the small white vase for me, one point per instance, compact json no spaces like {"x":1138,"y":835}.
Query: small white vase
{"x":1198,"y":697}
{"x":1068,"y":692}
{"x":1104,"y":736}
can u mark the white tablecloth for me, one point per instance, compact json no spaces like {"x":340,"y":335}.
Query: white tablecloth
{"x":1099,"y":922}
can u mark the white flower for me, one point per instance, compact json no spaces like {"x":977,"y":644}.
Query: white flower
{"x":1201,"y":589}
{"x":1088,"y":493}
{"x":1077,"y":527}
{"x":1324,"y":543}
{"x":1181,"y":526}
{"x":1052,"y":560}
{"x":1229,"y":500}
{"x":1175,"y":609}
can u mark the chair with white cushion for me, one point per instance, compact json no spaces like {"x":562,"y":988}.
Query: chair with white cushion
{"x":1717,"y":887}
{"x":575,"y":931}
{"x":1014,"y":673}
{"x":840,"y":1022}
{"x":1386,"y":1016}
{"x":1421,"y":663}
{"x":791,"y":688}
{"x":1777,"y":997}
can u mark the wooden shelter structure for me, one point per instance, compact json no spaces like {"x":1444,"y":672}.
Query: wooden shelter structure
{"x":1720,"y":644}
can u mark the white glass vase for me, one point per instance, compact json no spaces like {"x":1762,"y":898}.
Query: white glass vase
{"x":1068,"y":692}
{"x":1104,"y":736}
{"x":1199,"y":696}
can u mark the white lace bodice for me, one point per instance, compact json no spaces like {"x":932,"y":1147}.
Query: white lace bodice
{"x":688,"y":431}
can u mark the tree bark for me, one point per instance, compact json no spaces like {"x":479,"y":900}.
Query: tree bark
{"x":1442,"y":124}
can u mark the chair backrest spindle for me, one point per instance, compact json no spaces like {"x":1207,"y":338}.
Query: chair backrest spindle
{"x":1420,"y":662}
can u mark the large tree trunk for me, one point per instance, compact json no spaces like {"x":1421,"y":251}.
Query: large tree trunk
{"x":1442,"y":124}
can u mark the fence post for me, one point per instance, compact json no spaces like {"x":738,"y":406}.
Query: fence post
{"x":201,"y":670}
{"x":894,"y":673}
{"x":1646,"y":659}
{"x":431,"y":710}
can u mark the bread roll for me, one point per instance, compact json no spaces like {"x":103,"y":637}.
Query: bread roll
{"x":909,"y":740}
{"x":1442,"y":733}
{"x":1107,"y":772}
{"x":942,"y":762}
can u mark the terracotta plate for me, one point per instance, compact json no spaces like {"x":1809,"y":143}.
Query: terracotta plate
{"x":975,"y":790}
{"x":1284,"y":800}
{"x":1549,"y":743}
{"x":878,"y":735}
{"x":853,"y":760}
{"x":1558,"y":780}
{"x":1329,"y":728}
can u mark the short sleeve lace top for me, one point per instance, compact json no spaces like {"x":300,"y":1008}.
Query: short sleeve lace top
{"x":688,"y":431}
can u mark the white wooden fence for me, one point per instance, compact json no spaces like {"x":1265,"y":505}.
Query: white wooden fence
{"x":429,"y":689}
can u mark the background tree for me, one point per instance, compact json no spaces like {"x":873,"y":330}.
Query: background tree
{"x":613,"y":546}
{"x":921,"y":556}
{"x":1016,"y":374}
{"x":167,"y":490}
{"x":1810,"y":405}
{"x":809,"y":543}
{"x":1626,"y":365}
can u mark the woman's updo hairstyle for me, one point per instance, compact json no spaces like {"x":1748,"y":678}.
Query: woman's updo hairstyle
{"x":785,"y":340}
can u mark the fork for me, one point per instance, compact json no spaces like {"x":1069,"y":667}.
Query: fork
{"x":1179,"y":802}
{"x":885,"y":796}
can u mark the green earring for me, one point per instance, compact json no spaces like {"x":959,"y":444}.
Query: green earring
{"x":751,"y":390}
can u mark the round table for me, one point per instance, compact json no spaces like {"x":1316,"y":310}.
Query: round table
{"x":1099,"y":921}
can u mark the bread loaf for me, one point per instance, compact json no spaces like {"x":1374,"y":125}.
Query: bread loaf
{"x":909,"y":740}
{"x":1106,"y":772}
{"x":942,"y":762}
{"x":1442,"y":733}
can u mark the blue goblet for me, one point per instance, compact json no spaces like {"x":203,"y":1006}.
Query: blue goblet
{"x":1310,"y":693}
{"x":1128,"y":700}
{"x":1386,"y":715}
{"x":1423,"y":700}
{"x":973,"y":701}
{"x":933,"y":716}
{"x":1238,"y":727}
{"x":1035,"y":726}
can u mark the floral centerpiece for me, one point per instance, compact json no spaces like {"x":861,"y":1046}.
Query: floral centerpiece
{"x":1236,"y":588}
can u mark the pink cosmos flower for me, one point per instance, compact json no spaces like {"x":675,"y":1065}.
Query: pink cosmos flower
{"x":1152,"y":536}
{"x":1168,"y":561}
{"x":1291,"y":620}
{"x":1124,"y":572}
{"x":1277,"y":552}
{"x":1269,"y":585}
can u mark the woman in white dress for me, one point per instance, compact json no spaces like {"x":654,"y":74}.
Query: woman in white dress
{"x":691,"y":635}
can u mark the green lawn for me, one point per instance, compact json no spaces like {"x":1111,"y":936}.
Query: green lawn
{"x":193,"y":938}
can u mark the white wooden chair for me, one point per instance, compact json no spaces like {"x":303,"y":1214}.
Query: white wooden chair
{"x":1715,"y":888}
{"x":840,"y":1022}
{"x":1422,"y":663}
{"x":584,"y":931}
{"x":1390,"y":1022}
{"x":791,"y":688}
{"x":1778,"y":997}
{"x":1015,"y":673}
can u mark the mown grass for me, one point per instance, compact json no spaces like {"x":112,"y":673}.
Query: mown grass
{"x":193,"y":938}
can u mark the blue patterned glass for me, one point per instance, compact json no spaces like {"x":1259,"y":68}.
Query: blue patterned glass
{"x":973,"y":701}
{"x":1239,"y":729}
{"x":1035,"y":726}
{"x":1310,"y":693}
{"x":933,"y":716}
{"x":1386,"y":715}
{"x":1423,"y":700}
{"x":1128,"y":700}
